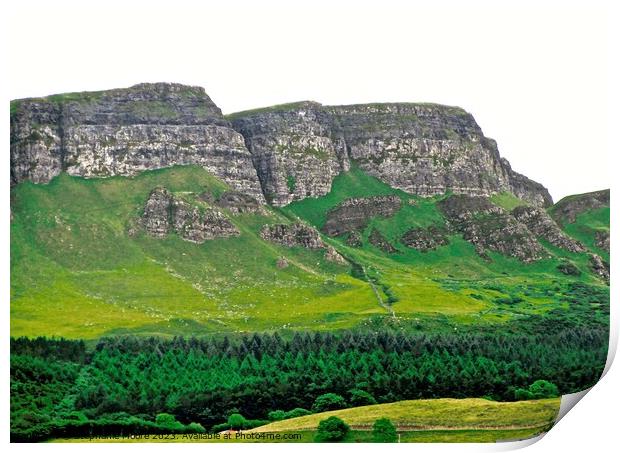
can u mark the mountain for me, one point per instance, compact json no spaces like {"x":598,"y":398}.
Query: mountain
{"x":145,"y":210}
{"x":201,"y":272}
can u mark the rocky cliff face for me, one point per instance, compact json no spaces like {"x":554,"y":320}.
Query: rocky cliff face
{"x":353,"y":214}
{"x":279,"y":154}
{"x":423,"y":149}
{"x":489,"y":227}
{"x":125,"y":131}
{"x":543,"y":226}
{"x":567,"y":209}
{"x":165,"y":213}
{"x":300,"y":235}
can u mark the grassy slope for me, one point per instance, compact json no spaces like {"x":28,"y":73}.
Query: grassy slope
{"x":439,"y":284}
{"x":436,"y":414}
{"x":77,"y":273}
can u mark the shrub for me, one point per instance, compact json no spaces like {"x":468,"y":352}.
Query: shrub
{"x":276,"y":415}
{"x":328,"y":402}
{"x":331,"y":429}
{"x":168,"y":421}
{"x":361,"y":398}
{"x":384,"y":430}
{"x":297,"y":412}
{"x":544,"y":389}
{"x":237,"y":421}
{"x":540,"y":389}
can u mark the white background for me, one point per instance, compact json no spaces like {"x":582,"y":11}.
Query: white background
{"x":540,"y":77}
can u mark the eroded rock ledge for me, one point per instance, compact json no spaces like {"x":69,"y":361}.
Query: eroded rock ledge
{"x":353,"y":214}
{"x":300,"y":235}
{"x":489,"y":227}
{"x":165,"y":213}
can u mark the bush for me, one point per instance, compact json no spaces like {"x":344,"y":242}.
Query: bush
{"x":331,"y":429}
{"x":544,"y":389}
{"x":167,"y":421}
{"x":297,"y":412}
{"x":328,"y":402}
{"x":237,"y":421}
{"x":282,"y":415}
{"x":276,"y":415}
{"x":540,"y":389}
{"x":384,"y":431}
{"x":361,"y":398}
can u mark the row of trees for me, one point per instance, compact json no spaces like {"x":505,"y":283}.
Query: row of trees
{"x":206,"y":380}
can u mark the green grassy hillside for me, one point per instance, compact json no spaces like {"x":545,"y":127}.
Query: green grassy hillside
{"x":77,"y":272}
{"x":438,"y":414}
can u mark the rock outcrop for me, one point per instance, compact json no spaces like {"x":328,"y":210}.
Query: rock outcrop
{"x":423,"y":149}
{"x":292,"y":235}
{"x":353,"y":214}
{"x":567,"y":209}
{"x":543,"y":226}
{"x":240,"y":203}
{"x":378,"y":240}
{"x":601,"y":239}
{"x":489,"y":227}
{"x":425,"y":239}
{"x":165,"y":213}
{"x":125,"y":131}
{"x":300,"y":235}
{"x":600,"y":267}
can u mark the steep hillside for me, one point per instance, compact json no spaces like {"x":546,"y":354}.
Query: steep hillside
{"x":175,"y":251}
{"x":82,"y":266}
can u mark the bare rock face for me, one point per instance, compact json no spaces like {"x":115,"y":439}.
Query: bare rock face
{"x":543,"y":226}
{"x":600,"y":267}
{"x":292,"y":150}
{"x":423,"y":149}
{"x":332,"y":255}
{"x":125,"y":131}
{"x":354,"y":239}
{"x":489,"y":227}
{"x":425,"y":239}
{"x":379,"y":241}
{"x":294,"y":234}
{"x":278,"y":154}
{"x":300,"y":235}
{"x":240,"y":203}
{"x":567,"y":209}
{"x":353,"y":214}
{"x":157,"y":217}
{"x":601,"y":239}
{"x":165,"y":213}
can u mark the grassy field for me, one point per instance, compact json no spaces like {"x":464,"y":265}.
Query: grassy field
{"x":441,"y":420}
{"x":439,"y":414}
{"x":77,"y":272}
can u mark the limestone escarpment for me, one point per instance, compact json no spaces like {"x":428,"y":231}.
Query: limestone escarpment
{"x":293,"y":152}
{"x":165,"y":213}
{"x":423,"y":149}
{"x":125,"y":131}
{"x":353,"y":214}
{"x":489,"y":227}
{"x":279,"y":154}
